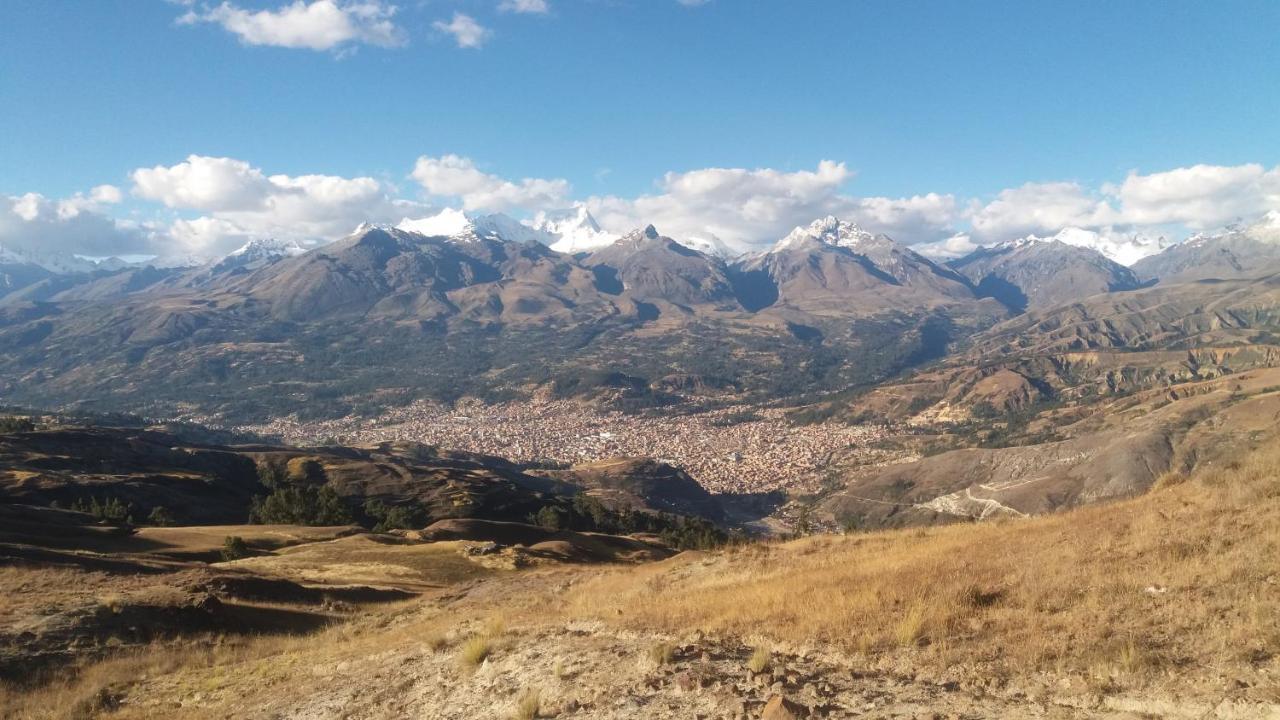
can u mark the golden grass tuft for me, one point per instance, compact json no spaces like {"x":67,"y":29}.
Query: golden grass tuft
{"x":474,"y":651}
{"x":661,"y":653}
{"x":528,"y":705}
{"x":759,"y":660}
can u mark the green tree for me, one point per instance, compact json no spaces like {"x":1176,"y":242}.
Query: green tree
{"x":160,"y":516}
{"x":16,"y":425}
{"x":234,"y":548}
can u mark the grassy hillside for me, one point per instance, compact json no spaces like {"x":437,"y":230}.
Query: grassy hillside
{"x":1165,"y":605}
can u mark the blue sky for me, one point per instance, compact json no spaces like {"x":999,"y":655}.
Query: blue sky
{"x":960,"y":99}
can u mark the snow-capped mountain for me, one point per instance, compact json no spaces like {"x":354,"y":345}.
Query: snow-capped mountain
{"x":267,"y":249}
{"x":1035,"y":273}
{"x":574,"y":230}
{"x":463,"y":227}
{"x":1122,"y":248}
{"x":830,"y":230}
{"x":1233,"y":252}
{"x":709,"y":244}
{"x":59,"y":263}
{"x":253,"y":253}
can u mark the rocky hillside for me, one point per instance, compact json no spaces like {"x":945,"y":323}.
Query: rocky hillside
{"x":1239,"y":252}
{"x":343,"y":328}
{"x":1037,"y":274}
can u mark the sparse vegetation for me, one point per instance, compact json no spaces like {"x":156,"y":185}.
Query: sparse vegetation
{"x":160,"y":516}
{"x":394,"y":517}
{"x":112,"y":510}
{"x":759,"y":660}
{"x":528,"y":705}
{"x":474,"y":651}
{"x":16,"y":425}
{"x":587,"y":514}
{"x":661,"y":653}
{"x":1036,"y":588}
{"x":234,"y":548}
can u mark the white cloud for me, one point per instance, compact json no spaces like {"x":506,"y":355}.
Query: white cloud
{"x":458,"y":177}
{"x":316,"y":25}
{"x":949,"y":248}
{"x":77,"y":225}
{"x":204,"y":183}
{"x":750,"y":209}
{"x":1038,"y":208}
{"x":210,"y":205}
{"x":524,"y":6}
{"x":242,"y":202}
{"x":1200,"y":196}
{"x":465,"y":30}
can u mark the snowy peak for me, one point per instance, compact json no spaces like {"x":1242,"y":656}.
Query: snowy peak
{"x":464,"y":227}
{"x":577,"y":218}
{"x":832,"y":231}
{"x":1267,"y":228}
{"x":1125,"y":249}
{"x":58,"y":263}
{"x":10,"y":257}
{"x":575,"y":230}
{"x":256,"y":252}
{"x":267,"y":249}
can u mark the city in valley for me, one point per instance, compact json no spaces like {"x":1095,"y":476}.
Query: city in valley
{"x":728,"y":450}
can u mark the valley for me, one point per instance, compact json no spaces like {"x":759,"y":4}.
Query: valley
{"x":737,"y":449}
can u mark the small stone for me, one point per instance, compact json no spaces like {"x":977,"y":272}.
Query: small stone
{"x":780,"y":708}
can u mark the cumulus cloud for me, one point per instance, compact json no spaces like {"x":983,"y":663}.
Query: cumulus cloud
{"x":204,"y":183}
{"x":453,"y":176}
{"x":749,"y":209}
{"x":524,"y":6}
{"x":1200,"y":196}
{"x":77,"y":225}
{"x":316,"y":25}
{"x":242,"y":202}
{"x":210,"y":205}
{"x":1038,"y":208}
{"x":465,"y":30}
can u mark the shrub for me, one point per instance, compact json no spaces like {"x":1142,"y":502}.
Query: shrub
{"x":160,"y":516}
{"x":16,"y":425}
{"x":393,"y":517}
{"x":759,"y":660}
{"x":234,"y":548}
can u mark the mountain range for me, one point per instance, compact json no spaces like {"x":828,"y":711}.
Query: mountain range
{"x":484,"y":305}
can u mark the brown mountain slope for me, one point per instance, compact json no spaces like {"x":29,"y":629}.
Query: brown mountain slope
{"x":1042,"y":274}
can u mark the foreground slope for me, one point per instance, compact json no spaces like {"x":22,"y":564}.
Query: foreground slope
{"x":1159,"y":606}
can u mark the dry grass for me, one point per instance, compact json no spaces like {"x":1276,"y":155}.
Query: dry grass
{"x":1181,"y":582}
{"x":759,"y":660}
{"x":474,"y":651}
{"x":1067,"y":592}
{"x":97,"y":689}
{"x":528,"y":705}
{"x":661,"y":653}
